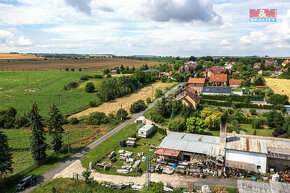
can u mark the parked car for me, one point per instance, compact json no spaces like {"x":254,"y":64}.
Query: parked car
{"x":25,"y":183}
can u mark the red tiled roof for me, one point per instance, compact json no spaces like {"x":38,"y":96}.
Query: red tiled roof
{"x":196,"y":80}
{"x":235,"y":81}
{"x":113,"y":70}
{"x":218,"y":78}
{"x":251,"y":77}
{"x":257,"y":65}
{"x":190,"y":90}
{"x":168,"y":152}
{"x":261,"y":87}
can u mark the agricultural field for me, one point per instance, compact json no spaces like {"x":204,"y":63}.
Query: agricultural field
{"x":115,"y":105}
{"x":19,"y":142}
{"x":89,"y":64}
{"x":7,"y":56}
{"x":21,"y":89}
{"x":279,"y":86}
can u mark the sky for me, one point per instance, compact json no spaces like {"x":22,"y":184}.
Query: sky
{"x":144,"y":27}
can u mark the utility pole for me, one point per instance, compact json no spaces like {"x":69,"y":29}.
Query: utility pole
{"x":152,"y":93}
{"x":148,"y":172}
{"x":27,"y":81}
{"x":121,"y":114}
{"x":68,"y":150}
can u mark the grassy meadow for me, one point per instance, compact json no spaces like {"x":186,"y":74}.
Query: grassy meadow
{"x":20,"y":89}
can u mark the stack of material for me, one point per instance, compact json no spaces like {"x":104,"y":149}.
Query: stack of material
{"x":168,"y":170}
{"x":130,"y":159}
{"x":137,"y":187}
{"x":112,"y":154}
{"x":126,"y":166}
{"x":126,"y":155}
{"x":158,"y":168}
{"x":151,"y":168}
{"x":136,"y":164}
{"x":123,"y":171}
{"x":131,"y":142}
{"x":122,"y":143}
{"x":117,"y":185}
{"x":140,"y":154}
{"x":181,"y":169}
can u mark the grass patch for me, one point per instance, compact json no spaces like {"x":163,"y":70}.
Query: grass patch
{"x":260,"y":132}
{"x":73,"y":186}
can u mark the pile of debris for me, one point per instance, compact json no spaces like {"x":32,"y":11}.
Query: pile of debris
{"x":130,"y":163}
{"x":131,"y":142}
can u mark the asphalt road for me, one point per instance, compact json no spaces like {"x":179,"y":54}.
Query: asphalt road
{"x":67,"y":162}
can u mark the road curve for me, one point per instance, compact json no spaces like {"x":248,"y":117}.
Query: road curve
{"x":67,"y":162}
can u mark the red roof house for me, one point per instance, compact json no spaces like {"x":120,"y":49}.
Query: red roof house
{"x":219,"y":79}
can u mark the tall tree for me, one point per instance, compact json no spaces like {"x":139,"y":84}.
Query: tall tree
{"x":38,"y":145}
{"x":5,"y":155}
{"x":55,"y":123}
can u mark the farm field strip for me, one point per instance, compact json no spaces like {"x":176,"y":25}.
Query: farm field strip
{"x":7,"y":56}
{"x":279,"y":86}
{"x":113,"y":106}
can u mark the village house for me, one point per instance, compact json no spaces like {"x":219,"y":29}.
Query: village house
{"x":234,"y":151}
{"x":114,"y":71}
{"x":219,"y":70}
{"x":285,"y":62}
{"x":191,"y":99}
{"x":196,"y":83}
{"x":279,"y":72}
{"x":270,"y":62}
{"x":190,"y":66}
{"x":235,"y":83}
{"x":219,"y":79}
{"x":216,"y":90}
{"x":257,"y":65}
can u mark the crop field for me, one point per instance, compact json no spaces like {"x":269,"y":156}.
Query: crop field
{"x":92,"y":64}
{"x":21,"y":89}
{"x":113,"y":106}
{"x":279,"y":86}
{"x":6,"y":56}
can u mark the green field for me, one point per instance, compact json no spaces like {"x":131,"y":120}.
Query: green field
{"x":46,"y":87}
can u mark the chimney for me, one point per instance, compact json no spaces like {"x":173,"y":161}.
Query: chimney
{"x":223,"y":133}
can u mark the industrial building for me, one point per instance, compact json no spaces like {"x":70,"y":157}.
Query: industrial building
{"x":244,"y":152}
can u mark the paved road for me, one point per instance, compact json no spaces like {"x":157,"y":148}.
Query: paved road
{"x":57,"y":169}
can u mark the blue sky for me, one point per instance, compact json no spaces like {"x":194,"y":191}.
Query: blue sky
{"x":153,"y":27}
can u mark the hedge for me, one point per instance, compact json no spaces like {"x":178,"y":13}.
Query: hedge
{"x":240,"y":105}
{"x":236,"y":98}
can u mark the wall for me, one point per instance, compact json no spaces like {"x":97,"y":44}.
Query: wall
{"x":278,"y":163}
{"x":248,"y":157}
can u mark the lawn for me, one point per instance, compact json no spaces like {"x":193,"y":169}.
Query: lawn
{"x":74,"y":186}
{"x":80,"y":136}
{"x":143,"y":145}
{"x":44,"y":88}
{"x":260,"y":132}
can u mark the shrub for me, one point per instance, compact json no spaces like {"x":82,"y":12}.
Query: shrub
{"x":256,"y":124}
{"x":138,"y":106}
{"x":122,"y":113}
{"x":255,"y":132}
{"x":158,"y":93}
{"x":72,"y":69}
{"x":275,"y":134}
{"x":66,"y":69}
{"x":90,"y":87}
{"x":93,"y":103}
{"x":86,"y":174}
{"x":96,"y":118}
{"x":164,"y":78}
{"x":71,"y":85}
{"x":157,"y":118}
{"x":73,"y":121}
{"x":80,"y":69}
{"x":21,"y":121}
{"x":148,"y":100}
{"x":253,"y":112}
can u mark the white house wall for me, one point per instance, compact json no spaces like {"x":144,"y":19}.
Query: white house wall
{"x":248,"y":157}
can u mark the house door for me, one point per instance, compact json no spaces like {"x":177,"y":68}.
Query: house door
{"x":186,"y":157}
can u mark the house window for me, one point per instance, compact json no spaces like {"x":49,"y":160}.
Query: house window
{"x":258,"y":167}
{"x":186,"y":157}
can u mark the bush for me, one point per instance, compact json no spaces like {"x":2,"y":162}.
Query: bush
{"x":253,"y":112}
{"x":138,"y":106}
{"x":73,"y":121}
{"x":71,"y":85}
{"x":157,"y":118}
{"x":90,"y":87}
{"x":122,"y":112}
{"x":80,"y":69}
{"x":72,"y":69}
{"x":66,"y":69}
{"x":85,"y":77}
{"x":256,"y":124}
{"x":96,"y":118}
{"x":275,"y":134}
{"x":255,"y":132}
{"x":148,"y":100}
{"x":21,"y":121}
{"x":158,"y":93}
{"x":93,"y":103}
{"x":164,"y":78}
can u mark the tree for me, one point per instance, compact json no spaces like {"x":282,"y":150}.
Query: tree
{"x":106,"y":71}
{"x":255,"y":132}
{"x":278,"y":99}
{"x":96,"y":118}
{"x":195,"y":125}
{"x":274,"y":119}
{"x":153,"y":188}
{"x":256,"y":124}
{"x":177,"y":124}
{"x":122,"y":113}
{"x":55,"y":123}
{"x":192,"y":58}
{"x":212,"y":122}
{"x":253,"y":111}
{"x":148,"y":100}
{"x":5,"y":155}
{"x":122,"y":68}
{"x":158,"y":93}
{"x":259,"y":81}
{"x":38,"y":145}
{"x":90,"y":87}
{"x":138,"y":106}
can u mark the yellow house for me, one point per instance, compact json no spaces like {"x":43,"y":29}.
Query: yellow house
{"x":285,"y":62}
{"x":191,"y":100}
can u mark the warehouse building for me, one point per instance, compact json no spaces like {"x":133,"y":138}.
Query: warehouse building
{"x":244,"y":152}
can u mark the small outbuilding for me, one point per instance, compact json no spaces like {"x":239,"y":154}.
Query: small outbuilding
{"x":145,"y":131}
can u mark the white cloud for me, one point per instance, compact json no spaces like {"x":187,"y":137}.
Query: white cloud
{"x":24,"y":42}
{"x":254,"y":38}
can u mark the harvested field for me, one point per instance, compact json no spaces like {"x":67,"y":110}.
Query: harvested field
{"x":114,"y":106}
{"x":6,"y":56}
{"x":93,"y":64}
{"x":279,"y":86}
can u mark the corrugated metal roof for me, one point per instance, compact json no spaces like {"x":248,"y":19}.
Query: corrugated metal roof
{"x":194,"y":143}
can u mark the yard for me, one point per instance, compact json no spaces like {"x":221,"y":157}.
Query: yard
{"x":279,"y":86}
{"x":113,"y":106}
{"x":100,"y":153}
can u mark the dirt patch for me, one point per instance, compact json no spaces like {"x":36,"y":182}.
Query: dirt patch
{"x":57,"y":64}
{"x":29,"y":90}
{"x":114,"y":106}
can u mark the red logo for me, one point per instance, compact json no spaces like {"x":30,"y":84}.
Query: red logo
{"x":263,"y":13}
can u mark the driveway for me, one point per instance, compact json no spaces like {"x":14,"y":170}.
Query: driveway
{"x":78,"y":156}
